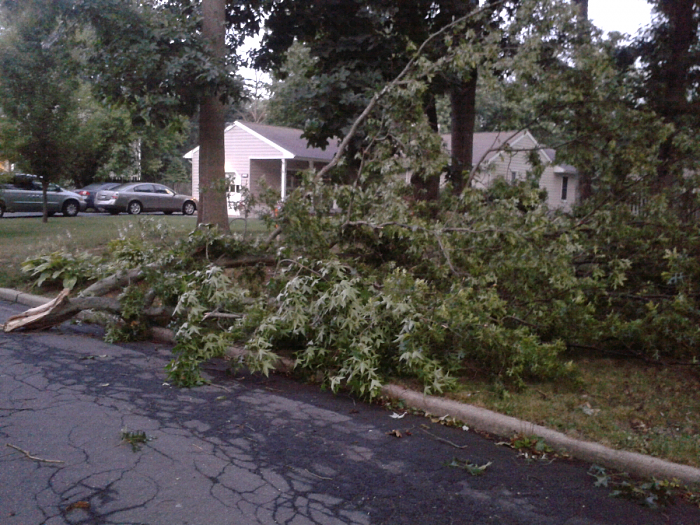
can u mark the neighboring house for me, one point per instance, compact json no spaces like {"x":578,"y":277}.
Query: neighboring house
{"x":258,"y":152}
{"x":505,"y":155}
{"x":276,"y":155}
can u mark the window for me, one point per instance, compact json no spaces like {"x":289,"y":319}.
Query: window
{"x":564,"y":187}
{"x":293,"y":179}
{"x":513,"y":176}
{"x":234,"y":182}
{"x":144,"y":188}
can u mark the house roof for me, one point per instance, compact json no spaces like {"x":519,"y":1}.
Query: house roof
{"x":288,"y":141}
{"x":488,"y":144}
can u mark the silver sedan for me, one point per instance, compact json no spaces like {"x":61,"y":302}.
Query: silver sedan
{"x":138,"y":197}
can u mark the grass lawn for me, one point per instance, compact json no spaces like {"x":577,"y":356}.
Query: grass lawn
{"x":623,"y":404}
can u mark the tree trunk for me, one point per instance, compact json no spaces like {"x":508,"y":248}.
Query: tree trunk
{"x":45,"y":200}
{"x":583,"y":8}
{"x":463,"y":100}
{"x":212,"y":177}
{"x":427,"y":188}
{"x":675,"y":79}
{"x":585,"y":176}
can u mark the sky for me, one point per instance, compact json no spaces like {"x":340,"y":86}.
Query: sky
{"x":625,"y":16}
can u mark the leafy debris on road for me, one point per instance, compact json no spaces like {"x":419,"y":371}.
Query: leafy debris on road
{"x":84,"y":505}
{"x":472,"y":468}
{"x":136,"y":438}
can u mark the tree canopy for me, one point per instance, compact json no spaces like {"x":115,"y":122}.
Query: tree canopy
{"x":39,"y":127}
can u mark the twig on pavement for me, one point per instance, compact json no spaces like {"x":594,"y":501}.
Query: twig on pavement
{"x":34,"y":457}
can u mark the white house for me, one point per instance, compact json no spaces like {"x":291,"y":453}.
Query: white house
{"x":257,"y":152}
{"x":505,"y":154}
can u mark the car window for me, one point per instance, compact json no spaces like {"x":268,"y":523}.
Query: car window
{"x":144,"y":188}
{"x":36,"y":186}
{"x":163,"y":190}
{"x":23,"y":184}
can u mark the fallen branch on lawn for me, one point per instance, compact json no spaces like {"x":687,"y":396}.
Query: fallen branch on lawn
{"x":227,"y":262}
{"x":114,"y":282}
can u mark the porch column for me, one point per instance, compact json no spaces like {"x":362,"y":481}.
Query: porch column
{"x":312,"y":167}
{"x":283,"y":185}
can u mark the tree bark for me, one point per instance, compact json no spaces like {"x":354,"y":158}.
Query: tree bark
{"x":427,"y":188}
{"x":212,"y":207}
{"x":583,"y":8}
{"x":674,"y":79}
{"x":113,"y":282}
{"x":463,"y":100}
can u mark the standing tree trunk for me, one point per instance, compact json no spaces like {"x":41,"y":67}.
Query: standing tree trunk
{"x":585,"y":176}
{"x":428,"y":188}
{"x":212,"y":177}
{"x":463,"y":101}
{"x":583,"y":8}
{"x":675,"y":79}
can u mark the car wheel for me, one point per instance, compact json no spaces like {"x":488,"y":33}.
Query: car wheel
{"x":134,"y":207}
{"x":70,"y":209}
{"x":189,"y":208}
{"x":114,"y":212}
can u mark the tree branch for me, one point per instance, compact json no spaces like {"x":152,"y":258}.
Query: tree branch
{"x":391,"y":85}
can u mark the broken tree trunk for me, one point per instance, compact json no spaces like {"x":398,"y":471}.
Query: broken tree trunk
{"x":59,"y":310}
{"x":62,"y":308}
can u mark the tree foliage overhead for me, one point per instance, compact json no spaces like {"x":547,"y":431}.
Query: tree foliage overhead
{"x":669,"y":52}
{"x":50,"y":125}
{"x":37,"y":88}
{"x":357,"y":46}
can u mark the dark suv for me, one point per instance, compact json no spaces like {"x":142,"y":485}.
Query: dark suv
{"x":24,"y":194}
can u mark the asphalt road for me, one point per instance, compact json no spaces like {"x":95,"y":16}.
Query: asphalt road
{"x":251,"y":450}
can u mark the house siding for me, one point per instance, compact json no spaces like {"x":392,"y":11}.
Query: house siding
{"x":241,"y":148}
{"x":505,"y":164}
{"x":195,"y":174}
{"x":265,"y":170}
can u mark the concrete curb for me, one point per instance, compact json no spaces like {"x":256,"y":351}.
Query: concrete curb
{"x":479,"y":418}
{"x":500,"y":425}
{"x":26,"y":299}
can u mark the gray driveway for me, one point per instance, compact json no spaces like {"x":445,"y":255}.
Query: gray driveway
{"x":250,"y":450}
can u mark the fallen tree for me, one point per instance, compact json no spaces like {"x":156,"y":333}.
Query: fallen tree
{"x":361,"y":281}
